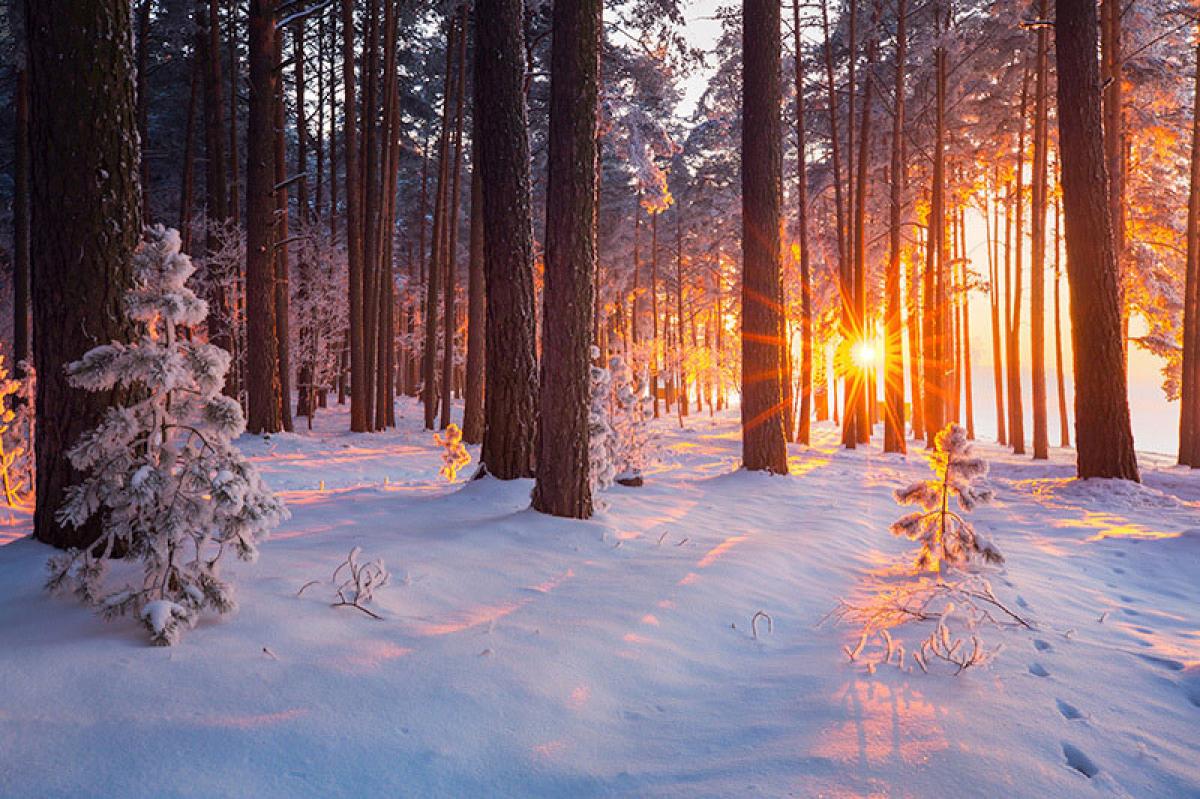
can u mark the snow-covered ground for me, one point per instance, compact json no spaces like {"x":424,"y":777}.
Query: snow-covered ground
{"x":521,"y":655}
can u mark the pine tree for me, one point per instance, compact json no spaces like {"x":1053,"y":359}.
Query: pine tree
{"x":1103,"y":435}
{"x":163,"y":477}
{"x":763,"y":442}
{"x":563,"y":487}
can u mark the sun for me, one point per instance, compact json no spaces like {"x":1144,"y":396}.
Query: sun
{"x":864,"y":354}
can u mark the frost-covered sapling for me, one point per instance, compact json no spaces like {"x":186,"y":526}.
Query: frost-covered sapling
{"x":169,"y":488}
{"x":602,"y":441}
{"x":630,"y":409}
{"x":947,"y":538}
{"x":454,"y":454}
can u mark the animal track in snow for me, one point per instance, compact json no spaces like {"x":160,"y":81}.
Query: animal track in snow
{"x":1163,"y":663}
{"x":1068,"y":710}
{"x":1077,"y":760}
{"x":1042,"y":646}
{"x":1038,"y":670}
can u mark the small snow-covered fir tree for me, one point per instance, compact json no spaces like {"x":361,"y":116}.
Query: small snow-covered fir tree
{"x":947,"y":538}
{"x":163,"y":477}
{"x":602,"y":442}
{"x":631,"y":408}
{"x":454,"y":455}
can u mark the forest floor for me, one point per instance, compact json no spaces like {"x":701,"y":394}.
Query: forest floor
{"x":522,"y":655}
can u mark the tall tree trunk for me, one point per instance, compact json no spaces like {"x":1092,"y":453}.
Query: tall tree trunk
{"x":85,"y":209}
{"x":1065,"y":432}
{"x":763,"y":442}
{"x":913,"y":319}
{"x":451,"y":314}
{"x":563,"y":487}
{"x":994,"y":302}
{"x":1189,"y":401}
{"x":935,"y":345}
{"x":865,"y":334}
{"x":437,"y":258}
{"x":804,"y":428}
{"x":1037,"y":265}
{"x":893,"y":382}
{"x":1016,"y":409}
{"x":235,"y":179}
{"x":1112,"y":67}
{"x":1103,"y":436}
{"x":21,"y":274}
{"x":188,"y":179}
{"x":360,"y":422}
{"x":262,"y":367}
{"x":143,"y":99}
{"x":371,"y":188}
{"x":282,"y":271}
{"x":510,"y":396}
{"x":968,"y":389}
{"x":655,"y":344}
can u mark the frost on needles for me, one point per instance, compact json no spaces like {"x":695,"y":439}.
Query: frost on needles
{"x":946,"y":538}
{"x":162,"y":476}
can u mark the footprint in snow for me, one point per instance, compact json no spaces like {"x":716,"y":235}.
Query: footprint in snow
{"x":1038,"y":670}
{"x":1069,"y":711}
{"x":1042,"y":646}
{"x":1021,"y":601}
{"x":1163,"y":663}
{"x":1118,"y":570}
{"x":1077,"y":760}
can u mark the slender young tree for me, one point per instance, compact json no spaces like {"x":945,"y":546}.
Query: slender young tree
{"x":85,"y":209}
{"x":360,"y":421}
{"x":510,"y":394}
{"x":262,"y":357}
{"x":804,"y":428}
{"x":1037,"y":278}
{"x":893,"y":382}
{"x":1103,"y":435}
{"x":763,"y":442}
{"x":563,"y":486}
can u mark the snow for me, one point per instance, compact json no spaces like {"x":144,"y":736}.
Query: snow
{"x":522,"y":655}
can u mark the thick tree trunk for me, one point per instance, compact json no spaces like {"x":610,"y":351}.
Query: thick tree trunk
{"x":510,"y":396}
{"x":1112,"y":67}
{"x":235,"y":179}
{"x":1103,"y":436}
{"x":763,"y":442}
{"x":1189,"y":402}
{"x":85,"y":209}
{"x":893,"y":383}
{"x":188,"y":178}
{"x":563,"y":487}
{"x":1037,"y":278}
{"x":262,"y":356}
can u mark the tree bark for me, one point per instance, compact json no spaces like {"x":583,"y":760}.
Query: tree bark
{"x":993,"y":235}
{"x":763,"y":441}
{"x":262,"y":356}
{"x":510,"y":395}
{"x":1189,"y":400}
{"x":476,"y":314}
{"x":1103,"y":436}
{"x":451,"y":314}
{"x":85,"y":209}
{"x":21,"y":274}
{"x":282,"y":273}
{"x":563,"y":487}
{"x":1016,"y":409}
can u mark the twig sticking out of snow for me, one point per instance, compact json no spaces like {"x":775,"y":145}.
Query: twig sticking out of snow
{"x":359,"y":582}
{"x":965,"y":605}
{"x":754,"y":623}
